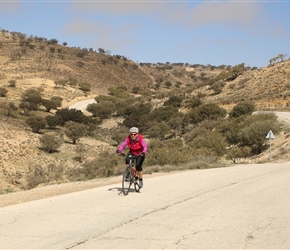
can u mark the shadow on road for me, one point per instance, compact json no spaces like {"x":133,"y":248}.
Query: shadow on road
{"x":132,"y":190}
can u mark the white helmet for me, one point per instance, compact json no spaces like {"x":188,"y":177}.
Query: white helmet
{"x":134,"y":130}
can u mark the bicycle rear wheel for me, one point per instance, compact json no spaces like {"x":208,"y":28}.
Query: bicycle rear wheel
{"x":127,"y":180}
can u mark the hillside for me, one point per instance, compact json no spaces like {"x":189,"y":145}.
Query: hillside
{"x":268,"y":87}
{"x":42,"y":62}
{"x":39,"y":63}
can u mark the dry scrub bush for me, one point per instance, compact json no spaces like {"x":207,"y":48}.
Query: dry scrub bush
{"x":39,"y":174}
{"x":55,"y":172}
{"x":81,"y":150}
{"x":50,"y":143}
{"x":202,"y":155}
{"x":36,"y":176}
{"x":102,"y":166}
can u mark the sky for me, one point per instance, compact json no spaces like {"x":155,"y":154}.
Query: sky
{"x":195,"y":32}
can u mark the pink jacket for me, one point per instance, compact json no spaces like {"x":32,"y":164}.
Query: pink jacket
{"x":136,"y":147}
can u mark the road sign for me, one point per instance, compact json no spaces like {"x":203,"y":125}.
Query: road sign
{"x":270,"y":135}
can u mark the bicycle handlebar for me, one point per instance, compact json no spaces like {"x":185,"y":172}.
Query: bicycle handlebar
{"x":130,"y":155}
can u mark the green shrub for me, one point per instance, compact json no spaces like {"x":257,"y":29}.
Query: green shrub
{"x":256,"y":127}
{"x":53,"y":103}
{"x":218,"y":86}
{"x":75,"y":131}
{"x":210,"y":141}
{"x":178,"y":122}
{"x":242,"y":108}
{"x":85,"y":86}
{"x":166,"y":152}
{"x":135,"y":90}
{"x":12,"y":83}
{"x":103,"y":110}
{"x":206,"y":112}
{"x":174,"y":101}
{"x":36,"y":123}
{"x":72,"y":115}
{"x":32,"y":96}
{"x":250,"y":130}
{"x":137,"y":116}
{"x":193,"y":102}
{"x":237,"y":153}
{"x":3,"y":92}
{"x":120,"y":134}
{"x":163,"y":113}
{"x":189,"y":136}
{"x":53,"y":121}
{"x":120,"y":92}
{"x":158,"y":130}
{"x":102,"y":98}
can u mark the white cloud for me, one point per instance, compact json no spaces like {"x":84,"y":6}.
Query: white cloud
{"x":9,"y":7}
{"x":230,"y":13}
{"x":101,"y":34}
{"x":235,"y":14}
{"x":117,"y":6}
{"x":112,"y":24}
{"x":77,"y":26}
{"x":251,"y":16}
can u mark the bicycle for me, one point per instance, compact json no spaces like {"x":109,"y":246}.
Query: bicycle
{"x":130,"y":175}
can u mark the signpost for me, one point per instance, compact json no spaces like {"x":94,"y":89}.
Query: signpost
{"x":270,"y":136}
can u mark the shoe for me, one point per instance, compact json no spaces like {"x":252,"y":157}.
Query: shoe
{"x":140,"y":183}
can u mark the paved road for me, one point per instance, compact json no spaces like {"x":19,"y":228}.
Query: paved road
{"x":240,"y":207}
{"x":82,"y":105}
{"x":284,"y":116}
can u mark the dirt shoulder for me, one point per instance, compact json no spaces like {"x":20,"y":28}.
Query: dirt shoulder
{"x":59,"y":189}
{"x":54,"y":190}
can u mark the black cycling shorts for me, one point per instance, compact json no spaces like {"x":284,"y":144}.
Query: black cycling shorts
{"x":139,"y":161}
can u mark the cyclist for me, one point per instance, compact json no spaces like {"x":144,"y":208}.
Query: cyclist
{"x":137,"y":146}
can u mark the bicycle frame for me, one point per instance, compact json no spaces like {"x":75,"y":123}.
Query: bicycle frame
{"x":129,"y":175}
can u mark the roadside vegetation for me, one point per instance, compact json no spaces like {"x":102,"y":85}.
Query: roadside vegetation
{"x":179,"y":108}
{"x":181,"y":133}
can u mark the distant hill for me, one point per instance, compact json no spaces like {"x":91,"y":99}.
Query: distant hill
{"x":29,"y":58}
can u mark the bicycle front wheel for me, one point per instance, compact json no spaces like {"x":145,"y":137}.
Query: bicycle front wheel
{"x":137,"y":187}
{"x":127,"y":180}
